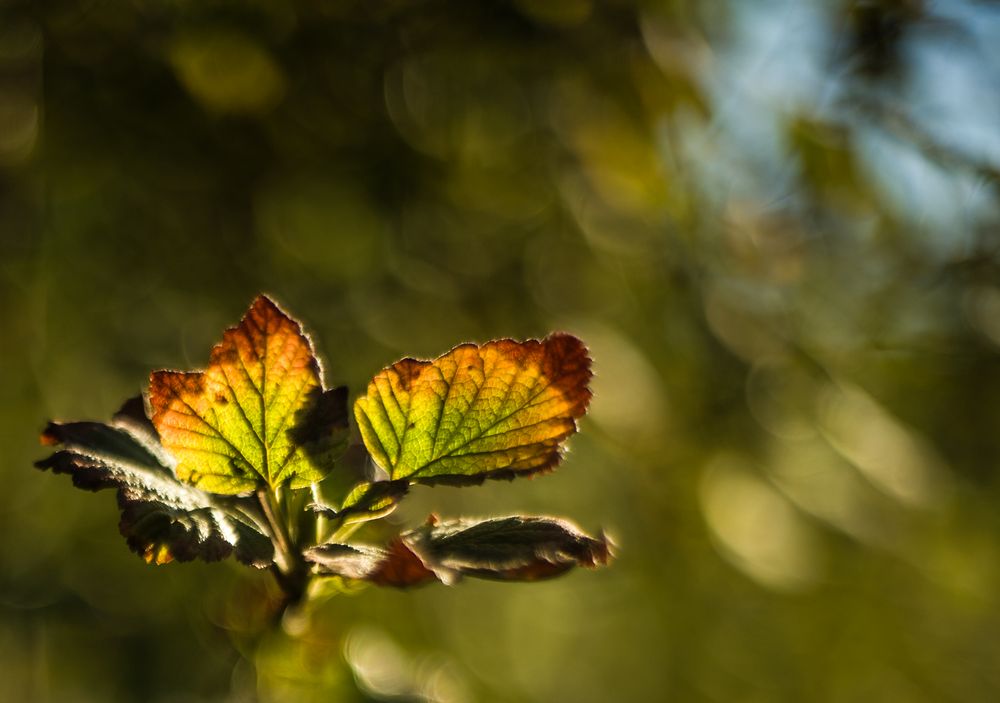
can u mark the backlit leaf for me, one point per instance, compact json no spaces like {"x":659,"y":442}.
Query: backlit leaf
{"x":510,"y":548}
{"x":257,"y":415}
{"x":162,"y":519}
{"x":507,"y":549}
{"x":396,"y":565}
{"x":498,"y":410}
{"x":367,"y":501}
{"x":350,"y":561}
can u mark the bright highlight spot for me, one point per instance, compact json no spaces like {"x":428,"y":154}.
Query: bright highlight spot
{"x":757,"y":530}
{"x":227,"y":72}
{"x":890,"y":455}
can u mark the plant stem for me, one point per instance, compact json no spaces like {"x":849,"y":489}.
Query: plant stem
{"x":321,"y":522}
{"x":289,"y":569}
{"x":279,"y":533}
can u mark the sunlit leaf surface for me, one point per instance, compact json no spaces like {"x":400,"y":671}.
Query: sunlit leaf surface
{"x":497,"y":410}
{"x":395,"y":565}
{"x":506,"y":549}
{"x":746,"y":209}
{"x":257,"y":415}
{"x":162,"y":518}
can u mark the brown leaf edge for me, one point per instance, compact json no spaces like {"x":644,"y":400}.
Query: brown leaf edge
{"x":564,"y":358}
{"x":513,"y":548}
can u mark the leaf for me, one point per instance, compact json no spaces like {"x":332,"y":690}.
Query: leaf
{"x":511,"y":548}
{"x":396,"y":566}
{"x":367,"y":501}
{"x":162,"y":519}
{"x":350,"y":561}
{"x":507,"y":549}
{"x":499,"y":410}
{"x":257,"y":415}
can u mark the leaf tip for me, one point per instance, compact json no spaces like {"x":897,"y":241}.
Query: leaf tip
{"x":266,"y":310}
{"x":603,"y":551}
{"x":568,"y":365}
{"x":265,"y":301}
{"x":49,"y":437}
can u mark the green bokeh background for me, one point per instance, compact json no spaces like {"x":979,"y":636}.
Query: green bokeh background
{"x":774,"y":222}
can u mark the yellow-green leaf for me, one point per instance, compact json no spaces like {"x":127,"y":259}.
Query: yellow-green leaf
{"x":497,"y":410}
{"x":258,"y":415}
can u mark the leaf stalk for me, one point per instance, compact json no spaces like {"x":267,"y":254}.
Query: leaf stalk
{"x":279,"y":532}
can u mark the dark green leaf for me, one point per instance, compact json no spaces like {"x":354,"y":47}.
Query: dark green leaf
{"x":510,"y":548}
{"x":162,"y":519}
{"x":507,"y":549}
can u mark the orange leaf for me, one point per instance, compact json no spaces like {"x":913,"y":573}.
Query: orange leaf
{"x":257,"y":415}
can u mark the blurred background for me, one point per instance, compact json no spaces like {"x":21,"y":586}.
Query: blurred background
{"x":775,"y":222}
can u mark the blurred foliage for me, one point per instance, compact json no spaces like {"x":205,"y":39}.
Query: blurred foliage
{"x":775,"y":223}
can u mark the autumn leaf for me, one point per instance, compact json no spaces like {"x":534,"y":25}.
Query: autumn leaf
{"x":162,"y":519}
{"x":258,"y":415}
{"x":507,"y":549}
{"x":497,"y":410}
{"x":258,"y":418}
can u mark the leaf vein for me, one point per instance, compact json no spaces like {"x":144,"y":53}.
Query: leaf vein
{"x":487,"y":428}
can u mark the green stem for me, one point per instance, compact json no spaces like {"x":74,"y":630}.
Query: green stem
{"x":290,"y":571}
{"x":321,"y":520}
{"x":279,"y":534}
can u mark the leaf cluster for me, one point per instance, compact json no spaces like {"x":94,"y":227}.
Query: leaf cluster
{"x":234,"y":459}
